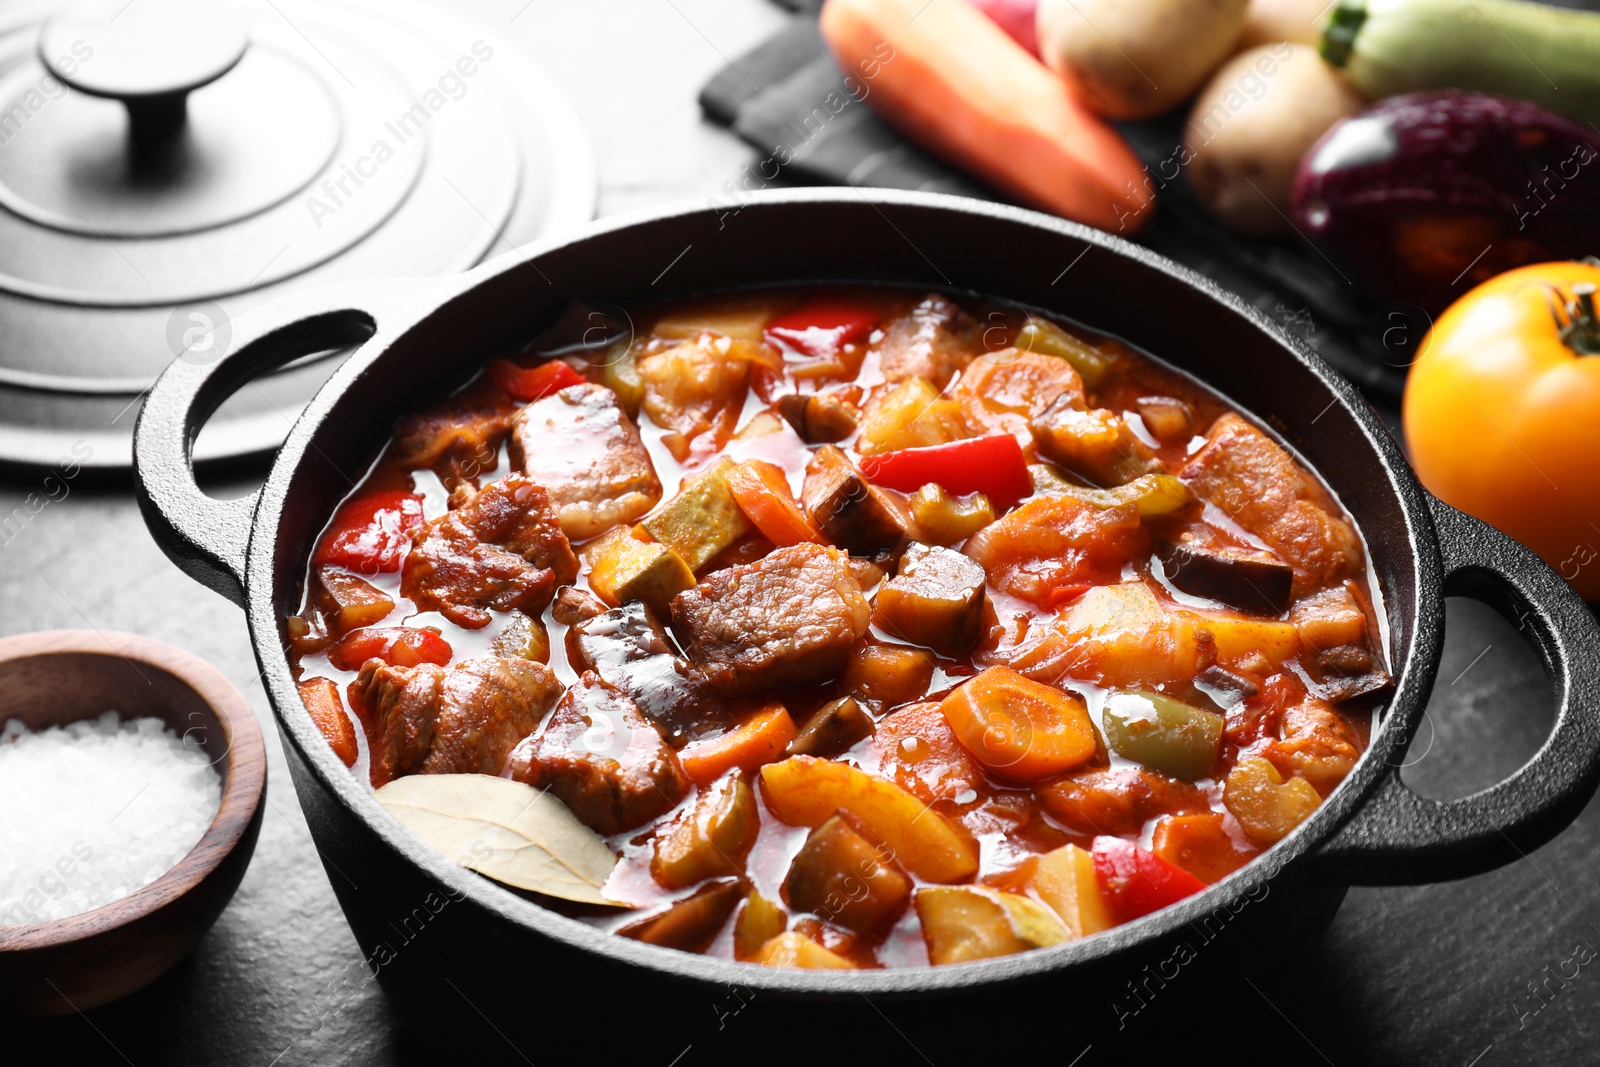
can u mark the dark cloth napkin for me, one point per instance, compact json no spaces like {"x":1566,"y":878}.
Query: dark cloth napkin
{"x":788,"y":99}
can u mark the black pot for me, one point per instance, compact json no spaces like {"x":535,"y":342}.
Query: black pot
{"x":478,"y":969}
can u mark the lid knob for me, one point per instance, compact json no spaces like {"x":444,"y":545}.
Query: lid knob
{"x":149,"y":54}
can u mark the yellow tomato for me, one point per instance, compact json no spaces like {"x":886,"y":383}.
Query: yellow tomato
{"x":1502,"y":412}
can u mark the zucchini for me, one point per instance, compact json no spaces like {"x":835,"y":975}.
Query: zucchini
{"x":1539,"y":53}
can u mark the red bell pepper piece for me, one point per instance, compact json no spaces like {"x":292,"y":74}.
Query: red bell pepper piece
{"x":1135,"y":882}
{"x":398,"y":646}
{"x":531,"y":383}
{"x":993,"y":466}
{"x":820,"y":327}
{"x":371,"y":533}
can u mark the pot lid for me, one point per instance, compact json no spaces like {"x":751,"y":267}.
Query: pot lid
{"x":166,"y":165}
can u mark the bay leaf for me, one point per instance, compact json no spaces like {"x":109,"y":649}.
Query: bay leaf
{"x":506,"y":830}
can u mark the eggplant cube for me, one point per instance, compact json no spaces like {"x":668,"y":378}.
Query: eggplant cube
{"x":936,"y":600}
{"x":624,"y":568}
{"x":702,"y":520}
{"x":855,"y":514}
{"x":844,"y":879}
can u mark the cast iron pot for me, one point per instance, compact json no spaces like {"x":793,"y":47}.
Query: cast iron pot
{"x":479,"y":969}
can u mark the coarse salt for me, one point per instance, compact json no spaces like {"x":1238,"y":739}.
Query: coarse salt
{"x":95,"y":810}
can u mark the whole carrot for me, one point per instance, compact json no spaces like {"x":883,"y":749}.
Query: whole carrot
{"x":950,"y":79}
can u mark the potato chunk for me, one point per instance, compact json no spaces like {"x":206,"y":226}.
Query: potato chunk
{"x":805,"y":791}
{"x":843,"y":878}
{"x":1267,"y":805}
{"x":965,"y":922}
{"x":696,"y":388}
{"x":1122,"y":636}
{"x":911,"y":415}
{"x":888,"y":675}
{"x":936,"y":600}
{"x":796,"y":950}
{"x":702,"y":520}
{"x":1065,"y":880}
{"x":624,"y":568}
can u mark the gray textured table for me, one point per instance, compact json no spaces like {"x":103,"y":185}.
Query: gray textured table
{"x":1437,"y":974}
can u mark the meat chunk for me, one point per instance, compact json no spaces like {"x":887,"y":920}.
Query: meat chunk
{"x":459,"y":439}
{"x":502,"y":548}
{"x":855,"y":514}
{"x":574,"y":605}
{"x":627,"y":647}
{"x":1317,"y":744}
{"x":1260,"y":486}
{"x":582,"y":447}
{"x":790,"y":618}
{"x":933,"y":340}
{"x":1118,"y":801}
{"x":464,"y":719}
{"x":1000,"y":393}
{"x":602,"y":758}
{"x":936,"y":600}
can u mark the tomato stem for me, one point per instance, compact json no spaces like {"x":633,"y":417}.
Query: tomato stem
{"x":1576,"y":319}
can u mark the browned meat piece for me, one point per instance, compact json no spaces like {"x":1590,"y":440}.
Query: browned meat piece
{"x":460,"y":439}
{"x":1260,"y":486}
{"x":451,"y":720}
{"x":790,"y":618}
{"x":629,"y":649}
{"x":1119,"y":801}
{"x":501,"y":549}
{"x":1317,"y":744}
{"x":1098,"y":444}
{"x":582,"y":447}
{"x":819,"y":417}
{"x":933,"y":340}
{"x":573,"y":605}
{"x":936,"y":600}
{"x":855,"y":514}
{"x":602,"y":758}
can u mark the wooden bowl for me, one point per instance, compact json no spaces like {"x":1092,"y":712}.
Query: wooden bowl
{"x":60,"y":676}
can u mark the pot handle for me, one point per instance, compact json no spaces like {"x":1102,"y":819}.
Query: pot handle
{"x":1401,"y":838}
{"x":207,"y":538}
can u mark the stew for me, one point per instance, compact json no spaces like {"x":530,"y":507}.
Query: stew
{"x":871,"y":627}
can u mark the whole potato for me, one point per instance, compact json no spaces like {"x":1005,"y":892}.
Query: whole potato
{"x":1270,"y":21}
{"x":1250,"y":127}
{"x":1133,"y":59}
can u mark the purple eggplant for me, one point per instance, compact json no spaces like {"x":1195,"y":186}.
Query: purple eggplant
{"x":1426,"y":195}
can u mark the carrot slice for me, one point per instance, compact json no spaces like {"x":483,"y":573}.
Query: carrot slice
{"x":950,"y":79}
{"x":1019,"y":728}
{"x":321,"y":698}
{"x":762,"y":491}
{"x":760,"y":739}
